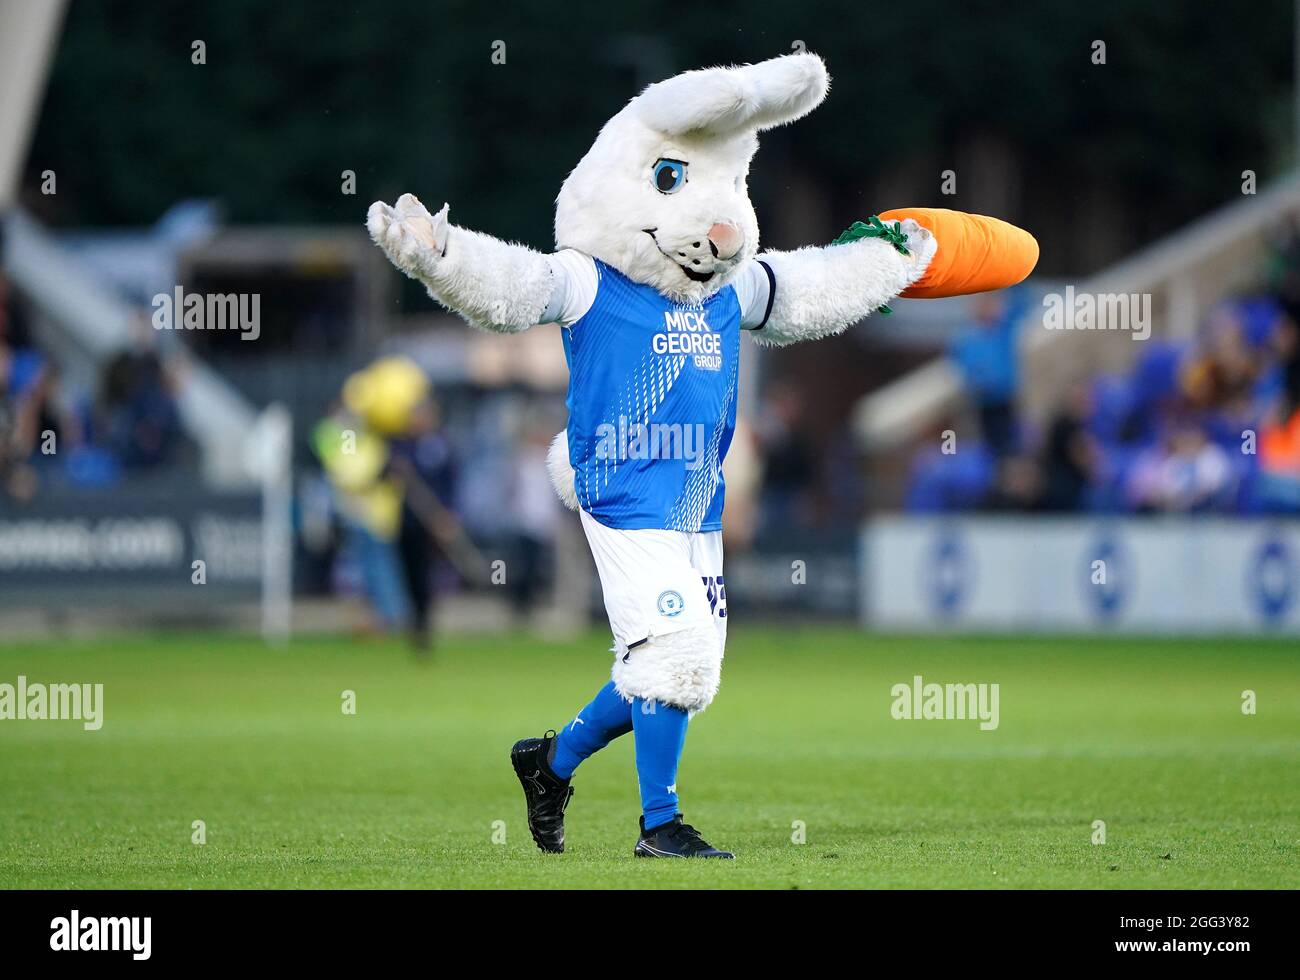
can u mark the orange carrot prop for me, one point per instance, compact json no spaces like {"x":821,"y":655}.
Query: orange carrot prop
{"x":976,"y":253}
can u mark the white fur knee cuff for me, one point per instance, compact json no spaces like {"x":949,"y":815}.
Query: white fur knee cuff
{"x":682,"y":669}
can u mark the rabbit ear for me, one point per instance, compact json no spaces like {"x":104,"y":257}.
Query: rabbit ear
{"x":724,"y":101}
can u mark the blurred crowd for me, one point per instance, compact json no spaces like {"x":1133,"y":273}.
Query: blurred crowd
{"x":414,"y":495}
{"x":1209,"y":424}
{"x":57,"y":435}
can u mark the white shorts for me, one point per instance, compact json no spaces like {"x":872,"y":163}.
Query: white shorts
{"x":658,"y":582}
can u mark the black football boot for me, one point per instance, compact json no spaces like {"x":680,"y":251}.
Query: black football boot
{"x":546,"y":794}
{"x":675,"y":840}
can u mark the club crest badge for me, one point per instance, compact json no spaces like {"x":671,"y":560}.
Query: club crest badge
{"x":671,"y":603}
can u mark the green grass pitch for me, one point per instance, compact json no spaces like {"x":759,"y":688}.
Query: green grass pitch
{"x":1146,"y":735}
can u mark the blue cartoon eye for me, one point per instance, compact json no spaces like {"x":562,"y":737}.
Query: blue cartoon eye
{"x":668,"y":176}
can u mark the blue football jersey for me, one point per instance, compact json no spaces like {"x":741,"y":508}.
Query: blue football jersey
{"x":652,"y":404}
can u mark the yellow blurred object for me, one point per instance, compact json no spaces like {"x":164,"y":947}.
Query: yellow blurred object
{"x":385,"y":394}
{"x":355,"y":463}
{"x":378,"y":508}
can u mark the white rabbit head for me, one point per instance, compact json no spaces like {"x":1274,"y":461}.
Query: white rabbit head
{"x":661,"y":195}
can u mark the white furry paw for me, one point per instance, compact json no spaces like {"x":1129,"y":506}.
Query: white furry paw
{"x":412,"y":238}
{"x":921,"y":243}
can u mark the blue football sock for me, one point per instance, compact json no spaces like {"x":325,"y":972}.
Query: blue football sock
{"x":660,"y":733}
{"x":599,"y":723}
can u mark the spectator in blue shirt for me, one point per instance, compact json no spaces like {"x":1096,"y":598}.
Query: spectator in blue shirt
{"x":985,"y":353}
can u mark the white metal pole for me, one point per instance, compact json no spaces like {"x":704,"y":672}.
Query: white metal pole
{"x":276,"y":458}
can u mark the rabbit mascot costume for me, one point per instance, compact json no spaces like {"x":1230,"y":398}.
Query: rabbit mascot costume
{"x":655,"y":276}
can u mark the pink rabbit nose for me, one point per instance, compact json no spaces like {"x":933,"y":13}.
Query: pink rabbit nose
{"x":725,"y":240}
